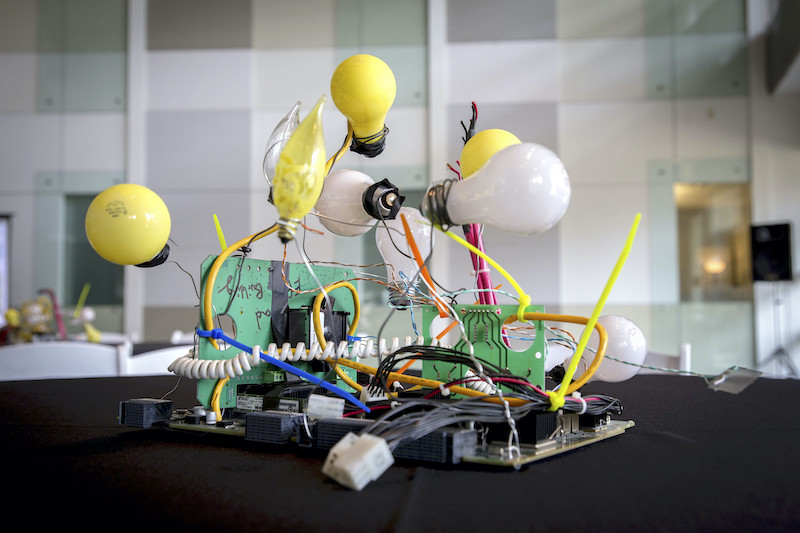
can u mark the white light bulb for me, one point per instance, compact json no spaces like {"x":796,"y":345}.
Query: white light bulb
{"x":523,"y":188}
{"x":401,"y":266}
{"x":341,"y":203}
{"x":626,"y":342}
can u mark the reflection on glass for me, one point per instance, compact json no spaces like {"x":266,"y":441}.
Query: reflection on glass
{"x":714,"y":242}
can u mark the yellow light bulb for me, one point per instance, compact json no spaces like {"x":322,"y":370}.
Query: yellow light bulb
{"x":363,"y":89}
{"x":128,"y":224}
{"x":300,"y":173}
{"x":481,"y":147}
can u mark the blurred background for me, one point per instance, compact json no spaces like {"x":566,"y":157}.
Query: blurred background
{"x":687,"y":111}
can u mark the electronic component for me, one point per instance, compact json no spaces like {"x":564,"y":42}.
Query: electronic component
{"x":358,"y":459}
{"x":288,"y":368}
{"x":271,"y":427}
{"x":144,"y":412}
{"x":483,"y":327}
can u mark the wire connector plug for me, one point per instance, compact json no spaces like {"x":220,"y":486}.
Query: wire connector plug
{"x":358,"y":459}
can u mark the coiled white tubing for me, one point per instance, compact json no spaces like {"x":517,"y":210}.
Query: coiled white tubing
{"x":477,"y":383}
{"x":191,"y":367}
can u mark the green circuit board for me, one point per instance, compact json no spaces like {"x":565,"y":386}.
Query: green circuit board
{"x":483,"y":325}
{"x":254,"y":298}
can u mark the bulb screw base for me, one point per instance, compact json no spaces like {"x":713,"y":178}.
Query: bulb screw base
{"x":371,"y":146}
{"x":434,"y":204}
{"x":397,"y":299}
{"x":287,"y":227}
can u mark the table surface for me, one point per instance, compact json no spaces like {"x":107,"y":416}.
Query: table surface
{"x":697,"y":460}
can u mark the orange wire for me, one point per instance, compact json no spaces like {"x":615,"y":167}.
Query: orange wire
{"x":418,"y":256}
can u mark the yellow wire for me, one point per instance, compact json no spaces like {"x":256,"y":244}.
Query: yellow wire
{"x":524,"y":299}
{"x":601,"y":348}
{"x":208,"y":292}
{"x":353,"y":326}
{"x":82,"y":299}
{"x":429,"y":383}
{"x":215,"y":397}
{"x":342,"y":150}
{"x":220,"y":235}
{"x":557,"y":397}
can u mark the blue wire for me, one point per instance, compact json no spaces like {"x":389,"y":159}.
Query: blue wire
{"x":217,"y":333}
{"x":409,"y":289}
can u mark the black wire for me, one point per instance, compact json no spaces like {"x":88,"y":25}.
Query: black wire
{"x":194,"y":284}
{"x":433,"y":353}
{"x":470,"y":132}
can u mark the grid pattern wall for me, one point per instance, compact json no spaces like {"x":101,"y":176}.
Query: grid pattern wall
{"x":634,"y":95}
{"x":221,"y":76}
{"x":62,"y":122}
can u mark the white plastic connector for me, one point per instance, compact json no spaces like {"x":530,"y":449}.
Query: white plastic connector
{"x":320,"y":406}
{"x":367,"y":397}
{"x":358,"y":459}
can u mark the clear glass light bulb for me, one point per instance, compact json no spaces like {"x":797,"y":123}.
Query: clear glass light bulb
{"x":524,"y":188}
{"x":401,"y":266}
{"x":626,"y":342}
{"x":278,"y":139}
{"x":341,"y":203}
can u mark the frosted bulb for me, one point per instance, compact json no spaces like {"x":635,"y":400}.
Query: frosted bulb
{"x":481,"y":147}
{"x":363,"y":89}
{"x":278,"y":139}
{"x":626,"y":342}
{"x":129,"y":224}
{"x":523,"y":188}
{"x":341,"y":203}
{"x":556,"y":355}
{"x":401,"y":267}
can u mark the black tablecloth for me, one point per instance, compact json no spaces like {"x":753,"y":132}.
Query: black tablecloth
{"x":697,"y":460}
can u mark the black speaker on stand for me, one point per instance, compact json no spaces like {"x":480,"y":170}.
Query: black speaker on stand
{"x":771,"y":248}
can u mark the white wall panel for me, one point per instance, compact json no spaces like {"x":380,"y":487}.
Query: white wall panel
{"x":581,"y":19}
{"x":504,"y":72}
{"x":612,"y":142}
{"x":28,"y":143}
{"x":94,"y":141}
{"x":593,"y":233}
{"x":603,"y":69}
{"x":197,"y":151}
{"x":200,"y":79}
{"x":282,"y":77}
{"x":712,"y":128}
{"x":293,"y":24}
{"x":19,"y":76}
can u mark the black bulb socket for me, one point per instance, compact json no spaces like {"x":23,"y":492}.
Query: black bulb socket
{"x":159,"y":259}
{"x":382,"y":200}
